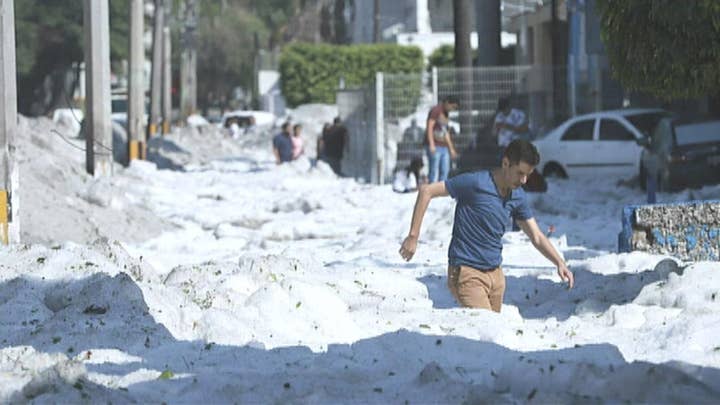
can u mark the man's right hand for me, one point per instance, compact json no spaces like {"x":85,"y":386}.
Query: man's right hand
{"x":432,"y":149}
{"x":408,"y":247}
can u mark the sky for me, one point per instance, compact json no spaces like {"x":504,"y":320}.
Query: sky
{"x":237,"y":280}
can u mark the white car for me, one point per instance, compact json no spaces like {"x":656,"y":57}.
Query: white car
{"x":246,"y":120}
{"x":600,"y":143}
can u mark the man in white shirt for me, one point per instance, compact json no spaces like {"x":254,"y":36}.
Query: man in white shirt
{"x":510,"y":123}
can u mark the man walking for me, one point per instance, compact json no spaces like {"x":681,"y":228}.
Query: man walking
{"x":333,"y":145}
{"x":438,"y":142}
{"x":282,"y":145}
{"x":485,"y":202}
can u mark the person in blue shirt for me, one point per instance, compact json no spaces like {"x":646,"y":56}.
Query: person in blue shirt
{"x":282,"y":145}
{"x":486,"y":200}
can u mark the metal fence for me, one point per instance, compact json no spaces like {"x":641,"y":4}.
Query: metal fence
{"x":386,"y":120}
{"x":357,"y":109}
{"x":529,"y":88}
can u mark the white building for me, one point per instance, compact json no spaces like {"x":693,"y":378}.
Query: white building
{"x":427,"y":24}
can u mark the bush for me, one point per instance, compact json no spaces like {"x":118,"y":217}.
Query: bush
{"x":443,"y":56}
{"x":310,"y":73}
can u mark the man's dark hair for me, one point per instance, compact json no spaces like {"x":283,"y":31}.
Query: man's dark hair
{"x":521,"y":150}
{"x":285,"y":126}
{"x":337,"y":121}
{"x":450,"y":100}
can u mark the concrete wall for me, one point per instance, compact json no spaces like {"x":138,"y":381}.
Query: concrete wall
{"x":689,"y":231}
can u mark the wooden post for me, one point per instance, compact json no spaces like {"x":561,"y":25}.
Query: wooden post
{"x":156,"y":76}
{"x":380,"y":127}
{"x":188,"y":61}
{"x":167,"y":81}
{"x":463,"y":61}
{"x":488,"y":22}
{"x":9,"y":202}
{"x":376,"y":21}
{"x":98,"y":134}
{"x":136,"y":90}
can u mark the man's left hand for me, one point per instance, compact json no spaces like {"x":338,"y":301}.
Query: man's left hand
{"x":453,"y":155}
{"x":566,"y":275}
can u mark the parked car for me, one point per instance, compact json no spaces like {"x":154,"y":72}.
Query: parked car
{"x":119,"y":108}
{"x":246,"y":120}
{"x":682,"y":154}
{"x":601,"y":143}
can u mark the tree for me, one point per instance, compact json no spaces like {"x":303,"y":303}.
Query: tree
{"x":276,"y":14}
{"x":666,"y":48}
{"x":442,"y":56}
{"x":49,"y":40}
{"x":226,"y":54}
{"x":462,"y":9}
{"x":341,"y":34}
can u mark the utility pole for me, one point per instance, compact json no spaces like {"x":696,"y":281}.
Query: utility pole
{"x":156,"y":75}
{"x":188,"y":60}
{"x":97,"y":83}
{"x":9,"y":176}
{"x":463,"y":61}
{"x":488,"y":24}
{"x":376,"y":21}
{"x":555,"y":66}
{"x":461,"y":18}
{"x":167,"y":81}
{"x":136,"y":90}
{"x":256,"y":67}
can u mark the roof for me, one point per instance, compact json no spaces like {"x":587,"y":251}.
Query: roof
{"x":622,"y":112}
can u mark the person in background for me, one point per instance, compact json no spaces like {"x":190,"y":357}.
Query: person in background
{"x":235,"y":130}
{"x":438,"y":142}
{"x":251,"y":126}
{"x":333,"y":142}
{"x":413,"y":133}
{"x":485,"y":201}
{"x":407,"y":180}
{"x":233,"y":127}
{"x":297,"y":141}
{"x":509,"y":124}
{"x":319,"y":145}
{"x":656,"y":146}
{"x":282,"y":145}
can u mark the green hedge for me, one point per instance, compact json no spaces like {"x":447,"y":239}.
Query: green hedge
{"x":443,"y":56}
{"x":310,"y":73}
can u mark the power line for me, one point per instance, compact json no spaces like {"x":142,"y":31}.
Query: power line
{"x":72,"y":112}
{"x":78,"y":147}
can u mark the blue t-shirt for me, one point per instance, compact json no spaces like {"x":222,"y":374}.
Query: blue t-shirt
{"x":283,"y":144}
{"x":481,"y":217}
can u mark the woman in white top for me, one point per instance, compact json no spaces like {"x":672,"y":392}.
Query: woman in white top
{"x":297,"y":141}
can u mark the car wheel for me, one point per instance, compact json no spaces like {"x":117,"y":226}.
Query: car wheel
{"x":553,"y":169}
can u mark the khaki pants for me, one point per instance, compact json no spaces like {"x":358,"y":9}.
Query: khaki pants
{"x":473,"y":288}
